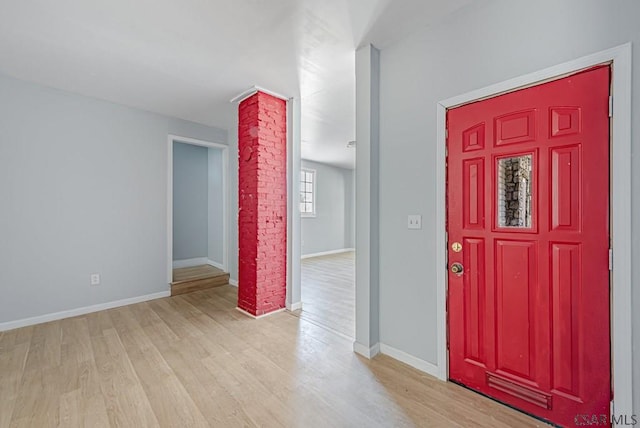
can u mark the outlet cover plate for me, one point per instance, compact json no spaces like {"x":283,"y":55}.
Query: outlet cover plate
{"x":95,"y":279}
{"x":414,"y":221}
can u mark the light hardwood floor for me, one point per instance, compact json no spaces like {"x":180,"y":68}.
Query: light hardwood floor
{"x":193,"y":360}
{"x":196,"y":272}
{"x":196,"y":278}
{"x":328,"y":292}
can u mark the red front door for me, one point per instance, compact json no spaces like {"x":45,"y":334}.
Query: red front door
{"x":528,"y":240}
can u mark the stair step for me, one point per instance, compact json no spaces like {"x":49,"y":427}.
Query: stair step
{"x":196,"y":278}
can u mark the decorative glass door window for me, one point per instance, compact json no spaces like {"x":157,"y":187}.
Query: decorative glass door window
{"x":514,"y":192}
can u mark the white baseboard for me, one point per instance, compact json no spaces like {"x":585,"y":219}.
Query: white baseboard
{"x":177,"y":264}
{"x":327,"y":253}
{"x":294,"y":306}
{"x":80,"y":311}
{"x":366,"y":352}
{"x":215,"y":264}
{"x":422,"y":365}
{"x":260,"y":316}
{"x":233,"y":282}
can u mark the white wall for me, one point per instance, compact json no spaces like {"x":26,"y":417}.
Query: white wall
{"x":215,"y":210}
{"x":480,"y":45}
{"x":83,"y":185}
{"x":332,"y":227}
{"x":190,"y":201}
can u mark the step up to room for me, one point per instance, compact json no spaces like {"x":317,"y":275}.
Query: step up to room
{"x":196,"y":278}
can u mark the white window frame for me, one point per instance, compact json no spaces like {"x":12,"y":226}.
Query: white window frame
{"x":313,"y":192}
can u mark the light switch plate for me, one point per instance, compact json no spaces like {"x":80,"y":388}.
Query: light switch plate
{"x":414,"y":221}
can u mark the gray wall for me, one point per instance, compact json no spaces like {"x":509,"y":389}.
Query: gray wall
{"x":83,"y":185}
{"x":215,"y":206}
{"x":367,"y":200}
{"x":483,"y":44}
{"x":232,"y":142}
{"x":350,"y":208}
{"x":332,"y":227}
{"x":190,"y":201}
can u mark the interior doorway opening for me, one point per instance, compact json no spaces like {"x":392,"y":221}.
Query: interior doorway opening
{"x":327,"y":209}
{"x":197,"y":215}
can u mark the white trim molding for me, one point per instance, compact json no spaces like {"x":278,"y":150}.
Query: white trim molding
{"x":251,"y":91}
{"x":225,"y":208}
{"x":409,"y":359}
{"x":621,"y":314}
{"x":368,"y":353}
{"x":327,"y":253}
{"x":25,"y":322}
{"x":260,"y":316}
{"x":199,"y":261}
{"x":233,"y":282}
{"x":294,"y":306}
{"x":215,"y":264}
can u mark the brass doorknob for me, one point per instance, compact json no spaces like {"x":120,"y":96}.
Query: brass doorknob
{"x":457,"y":268}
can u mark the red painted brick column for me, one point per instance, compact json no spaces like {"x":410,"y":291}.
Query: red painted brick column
{"x":262,"y":219}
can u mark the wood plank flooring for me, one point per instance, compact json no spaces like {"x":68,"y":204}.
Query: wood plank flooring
{"x":195,"y":272}
{"x":194,"y":361}
{"x":328,"y":292}
{"x":196,"y":278}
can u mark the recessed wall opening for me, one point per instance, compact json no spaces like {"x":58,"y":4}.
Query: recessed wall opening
{"x":197,"y":213}
{"x":327,"y":209}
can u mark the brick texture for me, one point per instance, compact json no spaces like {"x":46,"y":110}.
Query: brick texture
{"x":262,"y":217}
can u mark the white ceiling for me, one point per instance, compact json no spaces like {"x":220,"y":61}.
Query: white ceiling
{"x":188,"y":58}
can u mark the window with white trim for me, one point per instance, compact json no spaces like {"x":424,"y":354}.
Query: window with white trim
{"x":308,"y":192}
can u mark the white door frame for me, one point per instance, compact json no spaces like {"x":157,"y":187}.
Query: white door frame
{"x":620,"y":143}
{"x":225,"y":199}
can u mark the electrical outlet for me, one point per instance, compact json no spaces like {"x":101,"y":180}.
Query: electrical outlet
{"x":95,"y":279}
{"x":414,"y":221}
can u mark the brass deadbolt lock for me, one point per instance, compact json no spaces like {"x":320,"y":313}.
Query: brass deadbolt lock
{"x":457,"y":268}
